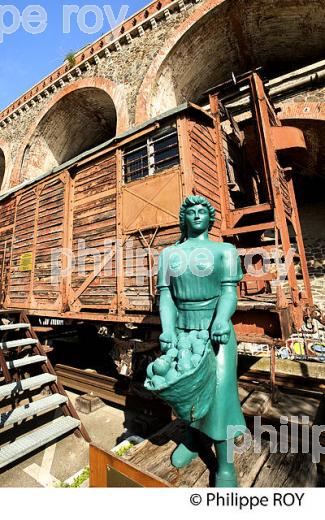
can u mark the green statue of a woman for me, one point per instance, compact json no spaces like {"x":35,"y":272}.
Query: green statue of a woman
{"x":197,"y":280}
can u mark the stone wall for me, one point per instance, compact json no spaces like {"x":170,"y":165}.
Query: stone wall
{"x":312,"y":218}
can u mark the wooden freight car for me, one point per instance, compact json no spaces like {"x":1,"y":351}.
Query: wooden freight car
{"x":81,"y":241}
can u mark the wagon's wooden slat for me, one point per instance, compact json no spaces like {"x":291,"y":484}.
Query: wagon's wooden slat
{"x":204,"y":165}
{"x":199,"y":148}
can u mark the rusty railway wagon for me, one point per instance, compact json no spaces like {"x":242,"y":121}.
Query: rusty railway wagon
{"x":127,"y":192}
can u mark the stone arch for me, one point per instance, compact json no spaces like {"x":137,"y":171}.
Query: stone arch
{"x":231,"y":36}
{"x":5,"y":165}
{"x":301,"y":110}
{"x":81,"y":116}
{"x":2,"y":167}
{"x":312,"y":162}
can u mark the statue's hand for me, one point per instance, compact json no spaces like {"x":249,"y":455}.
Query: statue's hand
{"x":167,"y":340}
{"x":220,"y":331}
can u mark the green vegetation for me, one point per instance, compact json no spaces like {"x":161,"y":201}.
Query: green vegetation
{"x":124,"y":449}
{"x":77,"y":481}
{"x":71,"y":59}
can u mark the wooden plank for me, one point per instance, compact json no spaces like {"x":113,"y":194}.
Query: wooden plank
{"x":285,"y":470}
{"x":206,"y":151}
{"x":205,"y":187}
{"x":205,"y":165}
{"x":289,"y":405}
{"x":106,"y":185}
{"x":248,"y":464}
{"x":104,"y":169}
{"x":89,"y":233}
{"x":98,"y":462}
{"x":6,"y":228}
{"x":199,"y":133}
{"x":208,"y":145}
{"x":153,"y":456}
{"x":91,"y":196}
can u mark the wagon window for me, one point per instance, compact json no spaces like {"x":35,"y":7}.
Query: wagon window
{"x":136,"y":162}
{"x":151,"y":155}
{"x":165,"y":150}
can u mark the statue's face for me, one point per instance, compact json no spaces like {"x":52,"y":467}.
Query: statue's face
{"x":197,"y":218}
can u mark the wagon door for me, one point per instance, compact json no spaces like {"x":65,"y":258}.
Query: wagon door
{"x":7,"y":215}
{"x":150,"y":195}
{"x":37,"y":236}
{"x":93,"y":199}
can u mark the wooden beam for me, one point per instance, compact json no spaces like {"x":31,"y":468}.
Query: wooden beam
{"x":249,"y":229}
{"x":237,"y":214}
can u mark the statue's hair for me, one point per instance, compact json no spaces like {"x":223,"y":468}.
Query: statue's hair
{"x":189,"y":202}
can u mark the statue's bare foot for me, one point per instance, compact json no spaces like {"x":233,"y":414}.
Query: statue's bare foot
{"x":182,"y":456}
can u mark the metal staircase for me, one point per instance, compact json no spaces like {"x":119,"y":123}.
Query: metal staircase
{"x":34,"y":407}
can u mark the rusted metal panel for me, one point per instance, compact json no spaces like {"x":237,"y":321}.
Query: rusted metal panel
{"x":151,"y":202}
{"x":286,"y":137}
{"x":284,"y":199}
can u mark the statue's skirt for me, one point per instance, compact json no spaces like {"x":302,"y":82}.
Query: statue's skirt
{"x":225,"y":419}
{"x":207,"y":397}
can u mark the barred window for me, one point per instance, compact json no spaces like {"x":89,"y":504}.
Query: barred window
{"x":136,"y":162}
{"x":151,"y":155}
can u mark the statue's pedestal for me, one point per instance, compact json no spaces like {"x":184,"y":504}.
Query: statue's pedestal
{"x":148,"y":465}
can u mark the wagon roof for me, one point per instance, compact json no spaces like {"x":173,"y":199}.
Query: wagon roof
{"x":185,"y":107}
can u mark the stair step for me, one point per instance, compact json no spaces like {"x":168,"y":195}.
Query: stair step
{"x":30,"y":383}
{"x":23,"y":412}
{"x":36,"y":439}
{"x":18,"y":343}
{"x":14,"y":326}
{"x":25,"y":361}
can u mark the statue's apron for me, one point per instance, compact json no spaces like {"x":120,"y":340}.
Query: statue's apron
{"x":225,"y":419}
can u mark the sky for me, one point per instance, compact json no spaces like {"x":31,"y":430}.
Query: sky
{"x":26,"y":58}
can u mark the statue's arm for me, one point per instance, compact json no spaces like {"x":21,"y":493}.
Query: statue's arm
{"x":167,"y":310}
{"x":227,"y":304}
{"x":167,"y":307}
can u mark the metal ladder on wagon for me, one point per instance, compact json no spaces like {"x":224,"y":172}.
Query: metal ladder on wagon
{"x":26,"y":372}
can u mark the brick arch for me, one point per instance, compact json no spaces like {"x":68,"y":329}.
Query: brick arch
{"x":311,"y":110}
{"x":115,"y":92}
{"x":311,"y":162}
{"x":6,"y":166}
{"x":144,"y":95}
{"x":225,"y":36}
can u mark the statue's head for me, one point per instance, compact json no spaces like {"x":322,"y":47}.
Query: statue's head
{"x":194,"y":201}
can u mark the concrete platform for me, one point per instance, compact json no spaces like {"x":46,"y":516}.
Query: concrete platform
{"x":60,"y":461}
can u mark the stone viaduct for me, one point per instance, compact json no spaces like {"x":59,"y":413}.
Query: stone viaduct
{"x":169,"y":52}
